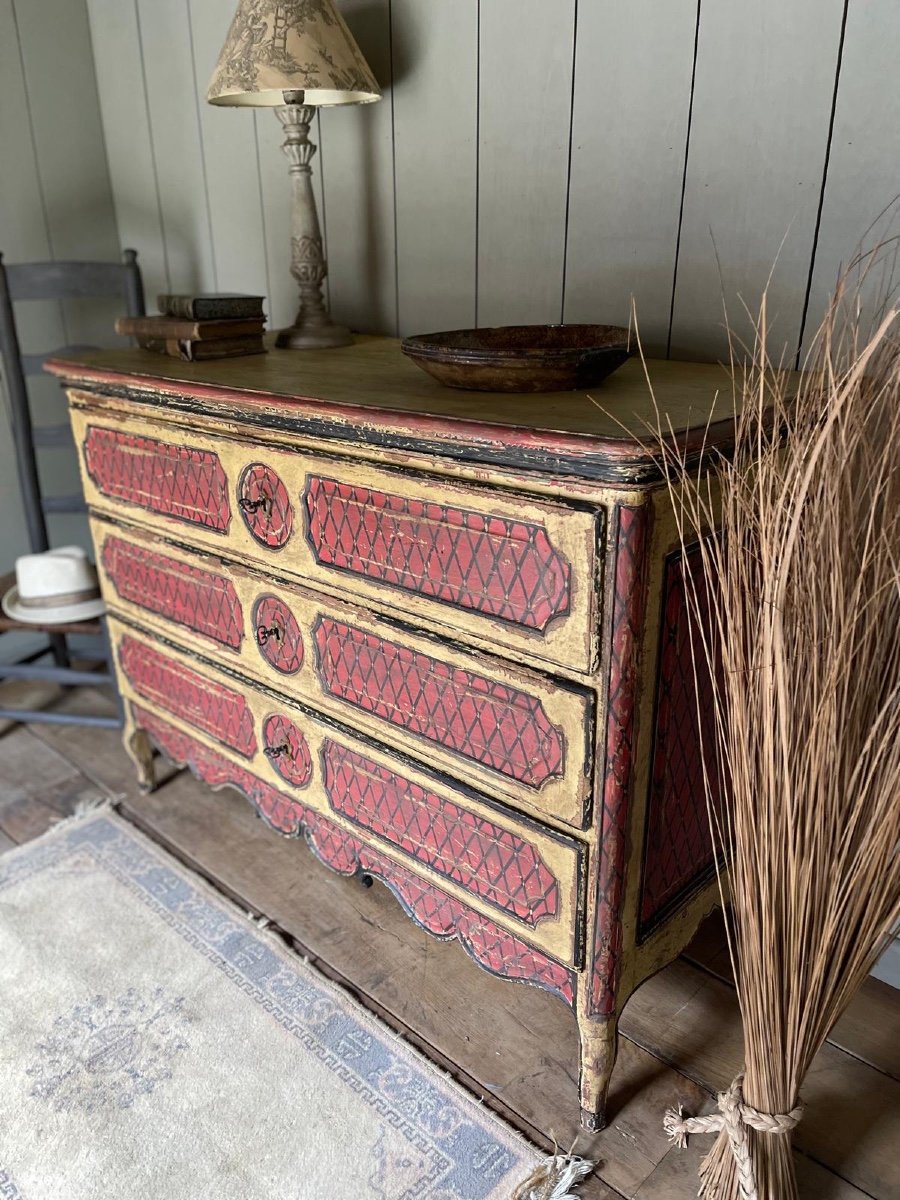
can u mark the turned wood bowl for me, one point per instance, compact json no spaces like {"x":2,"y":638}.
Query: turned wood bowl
{"x":521,"y":358}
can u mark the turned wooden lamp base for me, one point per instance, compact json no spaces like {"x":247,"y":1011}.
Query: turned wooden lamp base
{"x":313,"y":328}
{"x":313,"y":335}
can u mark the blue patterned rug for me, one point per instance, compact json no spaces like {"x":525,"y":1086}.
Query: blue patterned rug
{"x":156,"y":1043}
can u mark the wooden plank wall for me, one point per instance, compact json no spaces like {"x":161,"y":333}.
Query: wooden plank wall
{"x":56,"y":202}
{"x":529,"y":162}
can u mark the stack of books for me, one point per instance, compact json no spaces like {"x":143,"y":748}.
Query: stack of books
{"x":208,"y":325}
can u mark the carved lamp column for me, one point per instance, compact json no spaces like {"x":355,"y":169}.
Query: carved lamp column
{"x":296,"y":56}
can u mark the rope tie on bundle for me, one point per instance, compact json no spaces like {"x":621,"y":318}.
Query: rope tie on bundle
{"x":735,"y":1116}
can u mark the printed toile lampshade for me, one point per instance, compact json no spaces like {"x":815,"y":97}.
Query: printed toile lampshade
{"x":296,"y":46}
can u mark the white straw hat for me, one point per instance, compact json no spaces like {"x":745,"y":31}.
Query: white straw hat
{"x":54,"y":587}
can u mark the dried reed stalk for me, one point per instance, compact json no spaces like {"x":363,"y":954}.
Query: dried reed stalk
{"x":805,"y":623}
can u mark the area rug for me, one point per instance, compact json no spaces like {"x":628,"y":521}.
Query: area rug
{"x":155,"y":1042}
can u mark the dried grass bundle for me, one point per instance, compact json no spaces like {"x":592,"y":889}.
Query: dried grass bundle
{"x":805,"y":619}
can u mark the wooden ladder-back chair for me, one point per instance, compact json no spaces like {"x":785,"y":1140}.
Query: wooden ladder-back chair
{"x":52,"y":281}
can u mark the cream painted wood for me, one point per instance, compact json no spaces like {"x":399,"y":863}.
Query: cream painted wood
{"x":524,"y":114}
{"x":435,"y":161}
{"x":762,"y":103}
{"x":231,"y":155}
{"x":631,"y":100}
{"x":357,"y":151}
{"x":864,"y":164}
{"x":569,"y":639}
{"x":561,"y":854}
{"x":563,"y":796}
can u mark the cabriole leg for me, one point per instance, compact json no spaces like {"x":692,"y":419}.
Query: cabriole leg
{"x":140,"y":751}
{"x":599,"y":1042}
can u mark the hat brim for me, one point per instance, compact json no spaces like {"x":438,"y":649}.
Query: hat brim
{"x":60,"y":615}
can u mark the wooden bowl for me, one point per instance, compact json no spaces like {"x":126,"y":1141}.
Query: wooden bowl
{"x":521,"y":358}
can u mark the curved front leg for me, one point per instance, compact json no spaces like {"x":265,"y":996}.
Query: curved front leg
{"x":140,"y":750}
{"x":599,"y":1044}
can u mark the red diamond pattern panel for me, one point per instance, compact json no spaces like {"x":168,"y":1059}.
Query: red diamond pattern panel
{"x":678,"y":845}
{"x":289,"y":750}
{"x":278,"y":636}
{"x":493,"y":863}
{"x":200,"y":600}
{"x":177,"y":481}
{"x":627,"y":619}
{"x":438,"y":913}
{"x":497,"y":726}
{"x":493,"y":565}
{"x":215,"y":709}
{"x":282,"y":812}
{"x":265,"y":505}
{"x":445,"y":917}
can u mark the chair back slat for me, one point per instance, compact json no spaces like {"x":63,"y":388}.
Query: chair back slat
{"x":52,"y":436}
{"x":68,"y":280}
{"x":33,"y":364}
{"x":50,"y":281}
{"x":64,"y":504}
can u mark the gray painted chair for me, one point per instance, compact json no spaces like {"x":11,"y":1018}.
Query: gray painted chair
{"x":52,"y":281}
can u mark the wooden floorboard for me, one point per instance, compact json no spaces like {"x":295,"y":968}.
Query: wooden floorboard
{"x":513,"y":1045}
{"x":38,"y":785}
{"x":869,"y":1030}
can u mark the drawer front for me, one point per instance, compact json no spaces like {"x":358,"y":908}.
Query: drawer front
{"x":506,"y":570}
{"x":525,"y":877}
{"x":512,"y":733}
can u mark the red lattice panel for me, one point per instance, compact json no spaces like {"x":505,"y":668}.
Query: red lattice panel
{"x":441,"y":915}
{"x":278,"y":636}
{"x":287,"y":750}
{"x":176,"y":481}
{"x":282,"y":812}
{"x":265,"y":505}
{"x":488,"y":722}
{"x":445,"y":917}
{"x":678,"y":845}
{"x":494,"y":565}
{"x":627,"y":618}
{"x":493,"y":863}
{"x":209,"y":706}
{"x":197,"y":599}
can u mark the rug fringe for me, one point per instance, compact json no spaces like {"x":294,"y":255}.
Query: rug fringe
{"x":554,"y":1177}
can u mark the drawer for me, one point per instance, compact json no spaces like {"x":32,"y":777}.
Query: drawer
{"x":510,"y":732}
{"x":526,"y":877}
{"x":501,"y":569}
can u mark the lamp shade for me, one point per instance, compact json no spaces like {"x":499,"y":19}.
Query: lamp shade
{"x":296,"y":46}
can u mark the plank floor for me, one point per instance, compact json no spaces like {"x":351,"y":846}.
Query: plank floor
{"x":514,"y":1047}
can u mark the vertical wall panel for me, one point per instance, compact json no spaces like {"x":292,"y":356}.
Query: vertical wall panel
{"x":177,"y":149}
{"x":524,"y":112}
{"x":59,"y":192}
{"x":435,"y":121}
{"x":762,"y":104}
{"x":232,"y":163}
{"x":864,"y":165}
{"x":23,"y":236}
{"x":118,"y":56}
{"x":357,"y":153}
{"x":632,"y":96}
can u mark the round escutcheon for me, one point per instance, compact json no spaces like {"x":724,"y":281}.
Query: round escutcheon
{"x":277,"y":634}
{"x":265,"y":505}
{"x":287,"y":750}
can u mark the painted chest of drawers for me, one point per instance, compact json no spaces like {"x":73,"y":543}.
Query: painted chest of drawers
{"x":439,"y":635}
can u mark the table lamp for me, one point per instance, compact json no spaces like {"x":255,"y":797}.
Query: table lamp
{"x":294,"y":57}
